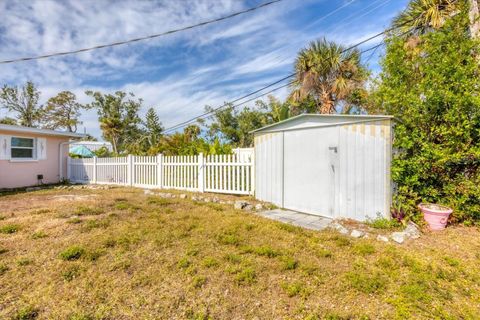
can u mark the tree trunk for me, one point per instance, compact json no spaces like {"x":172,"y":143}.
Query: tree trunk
{"x":474,"y":15}
{"x":327,"y":103}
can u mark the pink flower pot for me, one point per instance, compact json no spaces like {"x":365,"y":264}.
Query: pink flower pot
{"x":435,"y":215}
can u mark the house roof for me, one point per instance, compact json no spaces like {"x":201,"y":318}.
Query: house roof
{"x":92,"y":143}
{"x":46,"y":132}
{"x":305,"y":121}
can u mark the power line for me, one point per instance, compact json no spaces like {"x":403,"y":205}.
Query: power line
{"x":119,"y":43}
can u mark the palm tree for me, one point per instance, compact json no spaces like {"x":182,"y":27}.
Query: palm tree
{"x":329,"y":74}
{"x":422,"y":16}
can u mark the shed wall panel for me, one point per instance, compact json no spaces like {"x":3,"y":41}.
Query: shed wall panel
{"x":269,"y":167}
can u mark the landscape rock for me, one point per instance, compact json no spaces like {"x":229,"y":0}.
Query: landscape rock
{"x":207,"y":200}
{"x":259,"y":207}
{"x":147,"y":191}
{"x":398,"y":237}
{"x":215,"y":199}
{"x":248,"y":207}
{"x":337,"y":226}
{"x":357,"y":233}
{"x":382,"y":238}
{"x":412,"y":231}
{"x":240,"y":204}
{"x":183,"y":196}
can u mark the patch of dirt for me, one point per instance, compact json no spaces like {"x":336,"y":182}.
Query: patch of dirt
{"x":73,"y":197}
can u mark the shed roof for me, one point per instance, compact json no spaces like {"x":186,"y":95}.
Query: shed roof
{"x":47,"y":132}
{"x":304,"y":121}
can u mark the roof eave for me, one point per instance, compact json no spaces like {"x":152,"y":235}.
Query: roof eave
{"x":11,"y":128}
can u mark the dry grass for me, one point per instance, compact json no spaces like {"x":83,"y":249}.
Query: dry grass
{"x":123,"y":255}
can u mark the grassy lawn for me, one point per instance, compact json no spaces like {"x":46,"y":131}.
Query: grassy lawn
{"x":120,"y":254}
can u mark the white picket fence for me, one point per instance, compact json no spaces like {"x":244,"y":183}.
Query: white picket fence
{"x":233,"y":174}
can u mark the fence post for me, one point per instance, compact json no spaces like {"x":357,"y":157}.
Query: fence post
{"x":94,"y":178}
{"x":130,"y":170}
{"x":252,"y":173}
{"x":160,"y":170}
{"x":201,"y":173}
{"x":68,"y":168}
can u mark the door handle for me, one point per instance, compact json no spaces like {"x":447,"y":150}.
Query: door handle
{"x":334,"y":149}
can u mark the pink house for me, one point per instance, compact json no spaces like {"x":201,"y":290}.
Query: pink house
{"x":31,"y":156}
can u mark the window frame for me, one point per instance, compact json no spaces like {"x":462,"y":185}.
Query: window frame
{"x":33,"y":148}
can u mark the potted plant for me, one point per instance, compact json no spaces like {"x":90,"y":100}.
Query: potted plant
{"x":435,"y":215}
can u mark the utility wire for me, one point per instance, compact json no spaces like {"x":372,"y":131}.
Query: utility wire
{"x":119,"y":43}
{"x":184,"y":123}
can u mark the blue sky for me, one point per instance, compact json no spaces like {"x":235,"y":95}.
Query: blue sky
{"x":181,"y":73}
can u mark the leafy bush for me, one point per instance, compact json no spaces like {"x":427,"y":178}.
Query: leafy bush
{"x":431,"y":87}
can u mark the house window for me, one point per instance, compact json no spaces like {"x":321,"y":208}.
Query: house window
{"x":23,"y":148}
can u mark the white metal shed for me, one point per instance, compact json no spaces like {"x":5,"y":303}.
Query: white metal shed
{"x":330,"y":165}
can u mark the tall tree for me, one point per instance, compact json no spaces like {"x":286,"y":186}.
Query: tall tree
{"x":118,"y":117}
{"x":63,"y":111}
{"x":23,"y":102}
{"x":153,"y":127}
{"x":433,"y":92}
{"x":234,"y":126}
{"x":329,"y":75}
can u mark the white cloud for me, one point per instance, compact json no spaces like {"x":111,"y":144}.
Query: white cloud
{"x":214,"y":64}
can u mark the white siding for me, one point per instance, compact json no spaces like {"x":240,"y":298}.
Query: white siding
{"x":269,"y":167}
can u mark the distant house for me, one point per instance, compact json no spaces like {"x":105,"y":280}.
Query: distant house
{"x":31,"y":156}
{"x":92,"y":145}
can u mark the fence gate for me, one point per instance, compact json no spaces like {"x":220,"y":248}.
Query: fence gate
{"x":233,"y":174}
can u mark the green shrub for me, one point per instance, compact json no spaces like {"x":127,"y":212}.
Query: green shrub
{"x":72,"y":253}
{"x":431,"y":89}
{"x":9,"y":228}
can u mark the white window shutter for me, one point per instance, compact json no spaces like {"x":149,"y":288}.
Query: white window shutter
{"x":5,"y":147}
{"x":41,"y":148}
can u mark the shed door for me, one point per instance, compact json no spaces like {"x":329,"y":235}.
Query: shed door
{"x":310,"y":158}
